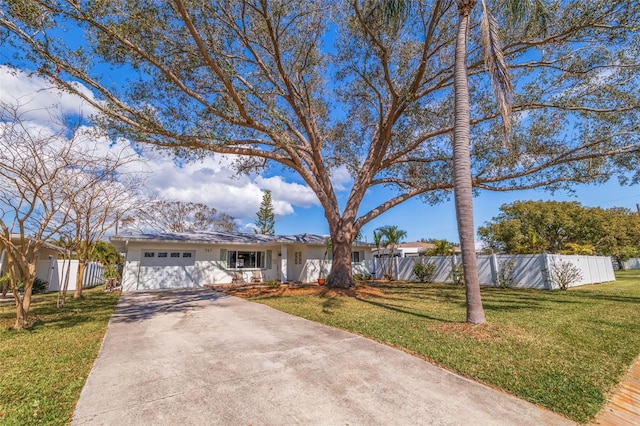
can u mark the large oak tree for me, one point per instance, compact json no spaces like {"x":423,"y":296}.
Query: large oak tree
{"x":319,"y":85}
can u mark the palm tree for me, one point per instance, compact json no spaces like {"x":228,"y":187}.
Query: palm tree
{"x":441,"y":248}
{"x":391,"y":237}
{"x":392,"y":10}
{"x":377,"y":240}
{"x":501,"y":82}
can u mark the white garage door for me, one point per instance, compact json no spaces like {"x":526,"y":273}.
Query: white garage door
{"x":166,"y":269}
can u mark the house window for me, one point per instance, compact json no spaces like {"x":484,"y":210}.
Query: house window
{"x":162,"y":254}
{"x":149,"y":254}
{"x":357,"y":256}
{"x":246,"y":259}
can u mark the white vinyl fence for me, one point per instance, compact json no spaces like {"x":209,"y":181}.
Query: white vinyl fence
{"x":633,"y":263}
{"x":528,"y":271}
{"x":93,"y":274}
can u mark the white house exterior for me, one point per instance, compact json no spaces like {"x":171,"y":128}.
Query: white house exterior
{"x":414,"y":249}
{"x":197,"y":259}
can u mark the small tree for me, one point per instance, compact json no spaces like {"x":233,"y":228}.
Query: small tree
{"x":457,"y":274}
{"x":564,"y":274}
{"x":391,"y":237}
{"x":266,"y":222}
{"x":97,"y":204}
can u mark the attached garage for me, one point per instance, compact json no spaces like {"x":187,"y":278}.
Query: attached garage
{"x":161,"y":268}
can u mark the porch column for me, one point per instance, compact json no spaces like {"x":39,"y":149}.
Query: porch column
{"x":283,"y":264}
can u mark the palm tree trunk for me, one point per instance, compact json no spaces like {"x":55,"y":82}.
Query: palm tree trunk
{"x":463,"y":191}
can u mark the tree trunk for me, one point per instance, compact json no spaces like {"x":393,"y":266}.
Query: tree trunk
{"x":21,"y":316}
{"x":463,"y":190}
{"x":82,"y":266}
{"x":28,"y":287}
{"x":390,"y":273}
{"x":341,"y":275}
{"x":23,"y":304}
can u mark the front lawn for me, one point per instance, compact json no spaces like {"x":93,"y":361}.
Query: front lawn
{"x":43,"y":370}
{"x":564,"y":350}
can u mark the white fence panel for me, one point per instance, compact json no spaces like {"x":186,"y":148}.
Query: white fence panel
{"x":486,"y":270}
{"x":314,"y":269}
{"x":93,"y":275}
{"x":528,"y":271}
{"x":633,"y":263}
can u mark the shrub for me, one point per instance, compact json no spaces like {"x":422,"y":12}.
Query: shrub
{"x":39,"y":285}
{"x":564,"y":274}
{"x":505,"y":273}
{"x":273,"y":283}
{"x":362,"y":277}
{"x":112,"y":271}
{"x":425,"y":272}
{"x":457,"y":274}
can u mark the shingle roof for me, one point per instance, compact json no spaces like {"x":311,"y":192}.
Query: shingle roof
{"x":217,"y":237}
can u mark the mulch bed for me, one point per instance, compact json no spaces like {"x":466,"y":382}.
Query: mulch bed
{"x":303,"y":289}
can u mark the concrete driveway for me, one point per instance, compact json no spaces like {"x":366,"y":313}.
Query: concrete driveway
{"x":199,"y":357}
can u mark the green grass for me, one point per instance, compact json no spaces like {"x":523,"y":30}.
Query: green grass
{"x":43,"y":369}
{"x":564,"y":350}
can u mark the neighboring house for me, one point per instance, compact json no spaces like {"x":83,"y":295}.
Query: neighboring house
{"x":196,"y":259}
{"x":46,"y":262}
{"x":51,"y":268}
{"x":414,"y":249}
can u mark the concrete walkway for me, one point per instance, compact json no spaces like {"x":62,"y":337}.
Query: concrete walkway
{"x":196,"y":357}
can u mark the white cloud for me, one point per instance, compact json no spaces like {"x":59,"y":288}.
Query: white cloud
{"x":211,"y":181}
{"x":39,"y":98}
{"x":340,"y":177}
{"x":285,"y":194}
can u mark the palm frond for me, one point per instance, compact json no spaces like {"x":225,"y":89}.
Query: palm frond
{"x":497,"y":65}
{"x":533,"y":12}
{"x":390,"y":13}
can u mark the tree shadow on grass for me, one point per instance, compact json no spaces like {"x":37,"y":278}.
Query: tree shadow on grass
{"x":402,"y":310}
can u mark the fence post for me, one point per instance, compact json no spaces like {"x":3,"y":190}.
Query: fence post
{"x":495,"y":269}
{"x":545,"y":270}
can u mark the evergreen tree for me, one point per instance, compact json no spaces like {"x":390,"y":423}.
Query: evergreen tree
{"x":266,"y":222}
